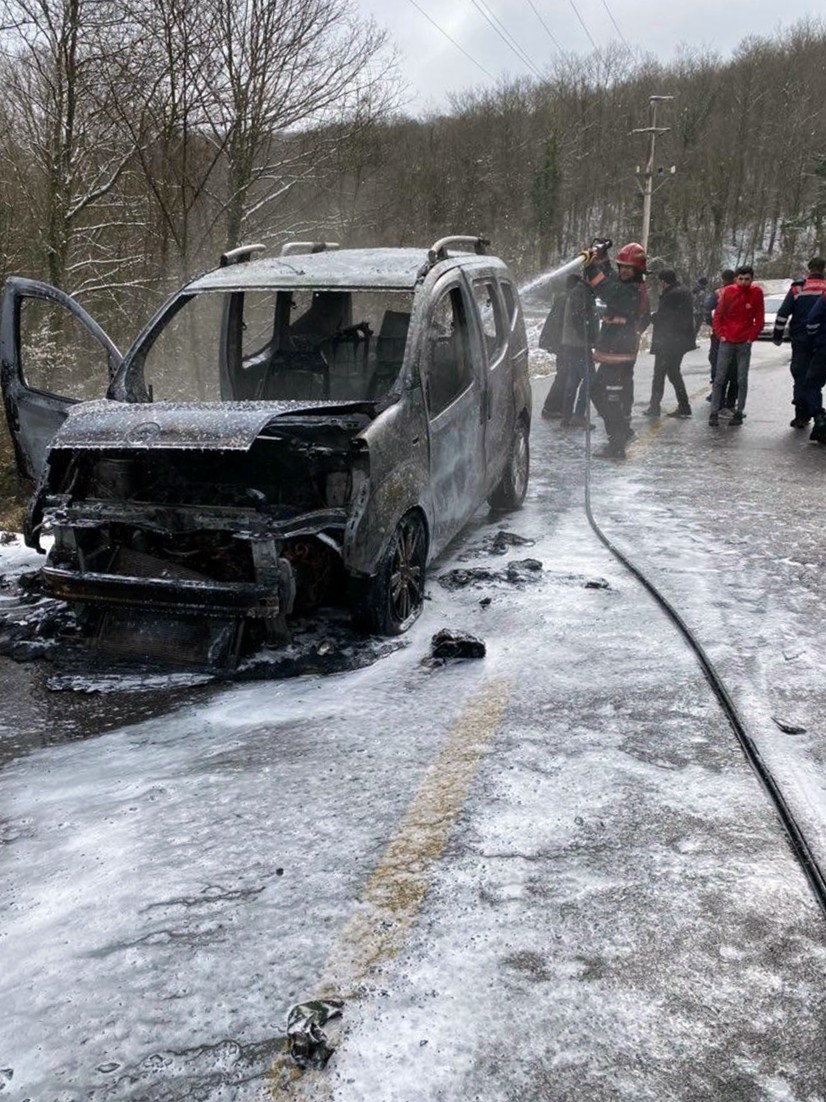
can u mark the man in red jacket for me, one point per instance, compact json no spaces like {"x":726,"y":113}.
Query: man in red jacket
{"x":738,"y":320}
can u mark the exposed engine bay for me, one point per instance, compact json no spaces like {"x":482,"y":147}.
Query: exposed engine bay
{"x":243,"y":538}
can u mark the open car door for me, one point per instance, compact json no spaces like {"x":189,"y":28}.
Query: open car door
{"x":52,"y":355}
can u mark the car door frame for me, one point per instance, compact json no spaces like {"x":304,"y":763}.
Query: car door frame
{"x":457,"y":472}
{"x":34,"y":416}
{"x":499,"y":408}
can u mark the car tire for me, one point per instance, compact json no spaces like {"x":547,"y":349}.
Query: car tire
{"x":391,"y":601}
{"x":511,"y":489}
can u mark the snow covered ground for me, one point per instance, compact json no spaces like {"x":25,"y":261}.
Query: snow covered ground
{"x":545,"y":875}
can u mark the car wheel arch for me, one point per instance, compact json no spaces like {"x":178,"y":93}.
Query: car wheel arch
{"x":509,"y":492}
{"x":375,"y":607}
{"x":363,"y":551}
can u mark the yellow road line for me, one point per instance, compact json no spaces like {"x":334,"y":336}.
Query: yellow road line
{"x":394,"y":893}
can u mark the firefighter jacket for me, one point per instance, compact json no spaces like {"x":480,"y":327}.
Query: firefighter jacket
{"x":816,"y":322}
{"x":739,"y":316}
{"x":796,"y":306}
{"x":626,"y":316}
{"x":674,"y":322}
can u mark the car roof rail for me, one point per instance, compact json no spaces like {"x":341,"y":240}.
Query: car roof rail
{"x":438,"y":251}
{"x":239,"y":255}
{"x":292,"y":248}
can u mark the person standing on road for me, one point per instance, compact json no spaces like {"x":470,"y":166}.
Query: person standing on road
{"x":816,"y":372}
{"x":550,"y":340}
{"x":615,"y":350}
{"x":579,"y":331}
{"x":795,"y":308}
{"x":726,"y":280}
{"x":738,"y":321}
{"x":673,"y":337}
{"x":698,"y":298}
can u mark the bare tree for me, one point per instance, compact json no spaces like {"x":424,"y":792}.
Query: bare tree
{"x":289,"y":65}
{"x":139,"y":137}
{"x":66,"y":62}
{"x":170,"y":131}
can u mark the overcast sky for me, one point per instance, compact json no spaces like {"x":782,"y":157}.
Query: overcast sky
{"x":433,"y":65}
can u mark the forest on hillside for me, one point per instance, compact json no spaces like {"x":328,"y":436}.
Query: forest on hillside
{"x":138,"y":140}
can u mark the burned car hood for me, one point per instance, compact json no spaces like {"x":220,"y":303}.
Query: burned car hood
{"x":215,"y":426}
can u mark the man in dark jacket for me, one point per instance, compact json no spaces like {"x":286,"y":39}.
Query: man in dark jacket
{"x":550,"y":340}
{"x":626,"y":317}
{"x":726,"y":280}
{"x":673,"y":337}
{"x":799,"y":300}
{"x":579,"y":331}
{"x":698,"y":300}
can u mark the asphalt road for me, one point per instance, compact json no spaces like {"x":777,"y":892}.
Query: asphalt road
{"x":546,"y":875}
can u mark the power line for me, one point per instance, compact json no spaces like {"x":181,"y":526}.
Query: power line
{"x":545,"y":25}
{"x":506,"y":37}
{"x":453,"y":40}
{"x":582,"y":23}
{"x":616,"y":25}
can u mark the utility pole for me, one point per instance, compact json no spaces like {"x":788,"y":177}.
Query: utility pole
{"x":652,"y":130}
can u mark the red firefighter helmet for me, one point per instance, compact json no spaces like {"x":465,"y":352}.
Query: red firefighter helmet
{"x":632,"y":255}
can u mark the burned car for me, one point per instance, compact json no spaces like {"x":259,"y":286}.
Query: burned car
{"x":285,"y":434}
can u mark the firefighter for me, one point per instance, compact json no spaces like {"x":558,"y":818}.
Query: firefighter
{"x":816,"y":373}
{"x":626,"y":317}
{"x":800,"y":298}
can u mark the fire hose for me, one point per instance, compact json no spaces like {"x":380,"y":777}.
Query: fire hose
{"x":795,"y":837}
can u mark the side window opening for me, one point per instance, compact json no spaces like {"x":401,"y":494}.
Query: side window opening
{"x":58,"y":354}
{"x":510,"y":300}
{"x":490,"y":313}
{"x":448,"y":367}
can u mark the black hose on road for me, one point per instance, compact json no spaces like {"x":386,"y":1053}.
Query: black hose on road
{"x":800,"y":847}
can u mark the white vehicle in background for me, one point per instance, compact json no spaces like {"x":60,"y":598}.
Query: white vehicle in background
{"x":772,"y":304}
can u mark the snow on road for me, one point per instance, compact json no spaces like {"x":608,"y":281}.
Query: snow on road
{"x":593,"y":895}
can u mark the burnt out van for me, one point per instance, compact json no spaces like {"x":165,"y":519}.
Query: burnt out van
{"x":285,"y":434}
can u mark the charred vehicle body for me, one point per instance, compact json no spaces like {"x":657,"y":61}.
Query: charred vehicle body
{"x":286,"y":433}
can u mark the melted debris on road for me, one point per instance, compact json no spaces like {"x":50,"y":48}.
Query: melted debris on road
{"x":307,"y":1041}
{"x":457,"y":644}
{"x":517,"y":572}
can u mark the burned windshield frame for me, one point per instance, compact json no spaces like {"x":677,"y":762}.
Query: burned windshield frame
{"x":129,"y":383}
{"x":383,"y":342}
